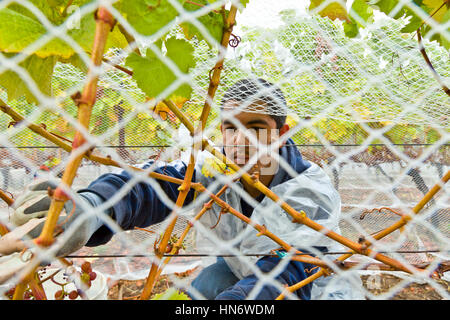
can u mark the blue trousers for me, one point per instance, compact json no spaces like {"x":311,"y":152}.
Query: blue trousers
{"x":218,"y":282}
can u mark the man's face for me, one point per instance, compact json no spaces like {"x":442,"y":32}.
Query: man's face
{"x":239,"y":147}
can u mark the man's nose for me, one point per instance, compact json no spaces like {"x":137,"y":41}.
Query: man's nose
{"x":240,"y":138}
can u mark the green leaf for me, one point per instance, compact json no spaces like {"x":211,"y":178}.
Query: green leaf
{"x":440,"y":12}
{"x":18,"y":31}
{"x":351,"y":29}
{"x":39,"y":69}
{"x":52,"y":9}
{"x":413,"y":24}
{"x":212,"y":21}
{"x":147,"y":16}
{"x":153,"y":76}
{"x":363,"y":10}
{"x":437,"y":7}
{"x":360,"y":10}
{"x":385,"y":6}
{"x":85,"y":33}
{"x":333,"y":10}
{"x":444,"y":41}
{"x":171,"y":294}
{"x":243,"y":4}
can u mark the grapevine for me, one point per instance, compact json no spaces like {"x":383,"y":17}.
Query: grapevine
{"x":172,"y":58}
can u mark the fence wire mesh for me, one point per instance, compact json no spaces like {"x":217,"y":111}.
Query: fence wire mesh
{"x":367,"y":111}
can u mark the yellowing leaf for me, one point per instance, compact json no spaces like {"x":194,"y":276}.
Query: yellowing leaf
{"x":292,"y":120}
{"x":213,"y":166}
{"x":18,"y":31}
{"x":437,"y":5}
{"x":333,"y":10}
{"x":62,"y":124}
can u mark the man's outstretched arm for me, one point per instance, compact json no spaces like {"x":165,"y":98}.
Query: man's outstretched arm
{"x":141,"y":206}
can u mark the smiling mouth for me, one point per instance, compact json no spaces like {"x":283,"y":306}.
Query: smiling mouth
{"x":241,"y":158}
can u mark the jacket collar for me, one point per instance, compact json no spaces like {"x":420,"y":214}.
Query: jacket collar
{"x":290,"y":153}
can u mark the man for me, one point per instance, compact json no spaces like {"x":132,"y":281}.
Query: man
{"x":253,"y":117}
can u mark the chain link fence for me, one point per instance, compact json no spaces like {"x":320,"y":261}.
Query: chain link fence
{"x":367,"y":110}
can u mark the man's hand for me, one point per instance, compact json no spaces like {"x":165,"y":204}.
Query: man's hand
{"x":35,"y":203}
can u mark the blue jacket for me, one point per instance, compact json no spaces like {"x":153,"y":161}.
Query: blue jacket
{"x":141,"y":207}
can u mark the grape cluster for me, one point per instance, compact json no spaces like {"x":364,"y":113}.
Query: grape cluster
{"x":61,"y":294}
{"x":87,"y":274}
{"x":27,"y":295}
{"x":10,"y":293}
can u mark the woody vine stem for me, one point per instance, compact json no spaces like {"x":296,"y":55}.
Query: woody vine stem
{"x":85,"y":101}
{"x":198,"y":132}
{"x":104,"y":24}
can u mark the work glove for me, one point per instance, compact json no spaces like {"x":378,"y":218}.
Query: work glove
{"x":35,"y":203}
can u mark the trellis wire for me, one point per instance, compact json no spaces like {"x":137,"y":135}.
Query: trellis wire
{"x":314,"y":63}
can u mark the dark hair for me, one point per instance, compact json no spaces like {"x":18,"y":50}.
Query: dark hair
{"x":252,"y":90}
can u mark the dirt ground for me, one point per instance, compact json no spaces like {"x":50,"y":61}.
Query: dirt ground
{"x":413,"y":291}
{"x":130,"y":290}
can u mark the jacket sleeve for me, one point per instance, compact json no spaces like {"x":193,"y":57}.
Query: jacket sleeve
{"x":293,"y":273}
{"x":141,"y":205}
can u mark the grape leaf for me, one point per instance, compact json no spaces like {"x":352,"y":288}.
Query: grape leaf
{"x":52,"y":9}
{"x":444,"y":41}
{"x":360,"y":10}
{"x":147,"y":16}
{"x":85,"y":33}
{"x":18,"y":31}
{"x":333,"y":10}
{"x":212,"y":21}
{"x":39,"y":69}
{"x":351,"y":29}
{"x":363,"y":10}
{"x":19,"y":28}
{"x":439,"y":10}
{"x":153,"y":76}
{"x":414,"y":22}
{"x":385,"y":6}
{"x":244,"y":3}
{"x":438,"y":7}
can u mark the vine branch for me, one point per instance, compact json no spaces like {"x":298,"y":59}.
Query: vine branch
{"x":104,"y":23}
{"x":88,"y":155}
{"x":401,"y":223}
{"x":197,"y":132}
{"x":430,"y":65}
{"x":298,"y":217}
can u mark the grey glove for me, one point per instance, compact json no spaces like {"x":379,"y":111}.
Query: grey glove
{"x":35,"y":203}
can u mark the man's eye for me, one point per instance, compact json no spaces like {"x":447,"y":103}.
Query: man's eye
{"x":258,"y":130}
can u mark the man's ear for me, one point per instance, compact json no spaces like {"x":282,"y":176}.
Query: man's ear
{"x":284,"y":128}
